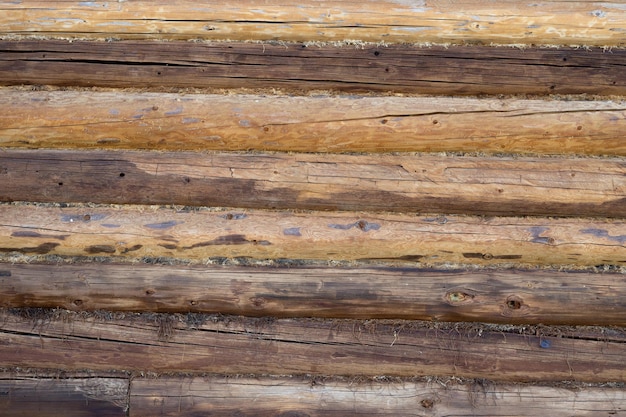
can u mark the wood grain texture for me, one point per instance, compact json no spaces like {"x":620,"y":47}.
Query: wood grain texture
{"x":474,"y":21}
{"x":403,"y":68}
{"x":489,"y":296}
{"x":59,"y":397}
{"x":136,"y":232}
{"x":218,"y":396}
{"x":415,"y":184}
{"x":198,"y":122}
{"x":225,"y":344}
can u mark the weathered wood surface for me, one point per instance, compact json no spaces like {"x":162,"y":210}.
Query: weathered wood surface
{"x":398,"y":183}
{"x":472,"y":21}
{"x":403,"y":68}
{"x":218,"y":396}
{"x":56,"y":397}
{"x":225,"y":344}
{"x":136,"y":232}
{"x":490,"y":296}
{"x":197,"y":122}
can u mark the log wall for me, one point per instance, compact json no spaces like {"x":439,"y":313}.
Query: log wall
{"x":372,"y":208}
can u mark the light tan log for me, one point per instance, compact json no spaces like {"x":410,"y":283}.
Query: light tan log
{"x":137,"y":232}
{"x":60,"y":397}
{"x":472,"y":21}
{"x":196,"y":122}
{"x":397,"y":183}
{"x":219,"y":396}
{"x":490,"y":296}
{"x":226,"y":344}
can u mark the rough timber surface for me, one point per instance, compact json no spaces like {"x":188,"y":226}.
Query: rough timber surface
{"x":468,"y":21}
{"x":187,"y":397}
{"x":397,"y":183}
{"x":491,"y":296}
{"x":136,"y":232}
{"x":457,"y":70}
{"x":346,"y":123}
{"x":226,"y":344}
{"x":33,"y":395}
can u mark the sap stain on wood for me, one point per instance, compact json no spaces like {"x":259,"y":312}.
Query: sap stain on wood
{"x":229,"y":240}
{"x":30,"y":233}
{"x":94,"y":249}
{"x":41,"y":249}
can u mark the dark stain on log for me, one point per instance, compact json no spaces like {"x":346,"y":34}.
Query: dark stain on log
{"x":168,"y":246}
{"x":100,"y":249}
{"x":536,"y":232}
{"x":292,"y":231}
{"x":163,"y":225}
{"x":39,"y":250}
{"x":5,"y":273}
{"x":621,"y":239}
{"x":133,"y":248}
{"x":28,"y":233}
{"x":229,"y":240}
{"x":478,"y":255}
{"x":293,"y":414}
{"x":234,"y":216}
{"x":110,"y":226}
{"x":408,"y":258}
{"x":361,"y":224}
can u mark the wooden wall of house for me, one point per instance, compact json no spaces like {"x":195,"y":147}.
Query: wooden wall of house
{"x":262,"y":208}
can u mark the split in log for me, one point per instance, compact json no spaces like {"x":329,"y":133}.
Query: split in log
{"x":136,"y":232}
{"x":56,"y":397}
{"x":416,"y":184}
{"x":404,"y":69}
{"x":490,"y":296}
{"x":225,"y":344}
{"x":187,"y":397}
{"x":197,"y":122}
{"x":471,"y":21}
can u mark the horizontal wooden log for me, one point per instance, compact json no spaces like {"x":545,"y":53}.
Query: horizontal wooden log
{"x":416,"y":184}
{"x":224,"y":344}
{"x":197,"y":122}
{"x":510,"y":22}
{"x":402,"y":68}
{"x":136,"y":232}
{"x":317,"y":397}
{"x":491,"y":296}
{"x":60,"y":397}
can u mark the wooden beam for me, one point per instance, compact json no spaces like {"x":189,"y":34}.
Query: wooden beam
{"x":176,"y":396}
{"x":198,"y":122}
{"x":472,"y":21}
{"x":225,"y":344}
{"x":490,"y":296}
{"x":60,"y":397}
{"x":416,"y":184}
{"x":136,"y":232}
{"x":402,"y":68}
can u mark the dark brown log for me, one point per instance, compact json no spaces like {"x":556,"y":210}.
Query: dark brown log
{"x":429,"y":70}
{"x":406,"y":293}
{"x":224,"y":344}
{"x":472,"y":21}
{"x":416,"y":184}
{"x":198,"y":235}
{"x":59,"y":397}
{"x":218,"y":396}
{"x":200,"y":122}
